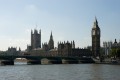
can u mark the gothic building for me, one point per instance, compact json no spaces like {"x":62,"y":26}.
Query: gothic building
{"x":13,"y":51}
{"x":68,"y":49}
{"x":45,"y":46}
{"x":73,"y":44}
{"x":64,"y":49}
{"x":96,"y":39}
{"x":115,"y":45}
{"x":50,"y":45}
{"x":35,"y":40}
{"x":51,"y":42}
{"x":107,"y":47}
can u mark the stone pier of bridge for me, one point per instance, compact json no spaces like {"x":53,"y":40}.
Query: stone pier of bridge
{"x":6,"y":62}
{"x":33,"y":62}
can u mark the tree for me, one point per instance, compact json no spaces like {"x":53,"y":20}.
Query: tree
{"x":118,"y":52}
{"x":113,"y":53}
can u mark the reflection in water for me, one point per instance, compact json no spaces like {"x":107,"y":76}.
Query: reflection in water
{"x":60,"y":72}
{"x":105,"y":72}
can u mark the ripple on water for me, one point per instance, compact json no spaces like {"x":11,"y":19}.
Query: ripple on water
{"x":60,"y":72}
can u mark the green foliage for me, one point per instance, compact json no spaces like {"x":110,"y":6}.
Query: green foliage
{"x":115,"y":52}
{"x":118,"y":52}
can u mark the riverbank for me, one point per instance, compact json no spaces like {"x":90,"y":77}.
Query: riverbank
{"x":112,"y":63}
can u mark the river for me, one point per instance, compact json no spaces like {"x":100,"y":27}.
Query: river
{"x":60,"y":72}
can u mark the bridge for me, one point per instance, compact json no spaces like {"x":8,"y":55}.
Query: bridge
{"x":9,"y":59}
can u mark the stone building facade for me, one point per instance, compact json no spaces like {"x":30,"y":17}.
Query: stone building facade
{"x":64,"y":49}
{"x":115,"y":44}
{"x":11,"y":51}
{"x":51,"y":42}
{"x":50,"y":45}
{"x":35,"y":40}
{"x":107,"y":47}
{"x":96,"y":39}
{"x":14,"y":51}
{"x":68,"y":49}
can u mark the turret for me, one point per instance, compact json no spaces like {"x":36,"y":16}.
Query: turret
{"x":115,"y":41}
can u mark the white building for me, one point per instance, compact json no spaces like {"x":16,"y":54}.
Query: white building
{"x":107,"y":47}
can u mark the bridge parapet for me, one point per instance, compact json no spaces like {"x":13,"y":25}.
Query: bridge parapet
{"x":52,"y":59}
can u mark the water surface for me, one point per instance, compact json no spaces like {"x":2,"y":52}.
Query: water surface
{"x":60,"y":72}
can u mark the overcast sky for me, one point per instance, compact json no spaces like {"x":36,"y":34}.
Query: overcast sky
{"x":67,"y":19}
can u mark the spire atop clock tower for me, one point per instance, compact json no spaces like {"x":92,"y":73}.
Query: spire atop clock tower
{"x":95,"y":23}
{"x":96,"y":20}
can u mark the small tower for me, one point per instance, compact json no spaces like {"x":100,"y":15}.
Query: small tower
{"x":96,"y":39}
{"x":51,"y":42}
{"x":115,"y":41}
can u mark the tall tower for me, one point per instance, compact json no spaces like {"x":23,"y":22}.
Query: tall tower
{"x":35,"y":39}
{"x":51,"y":42}
{"x":96,"y":39}
{"x":73,"y":45}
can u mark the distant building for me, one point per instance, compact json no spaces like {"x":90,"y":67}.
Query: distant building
{"x":45,"y":46}
{"x":68,"y":49}
{"x":96,"y":39}
{"x":12,"y":51}
{"x":110,"y":45}
{"x":35,"y":40}
{"x":64,"y":49}
{"x":50,"y":44}
{"x":116,"y":44}
{"x":107,"y":47}
{"x":89,"y":47}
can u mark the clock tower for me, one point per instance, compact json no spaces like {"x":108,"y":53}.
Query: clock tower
{"x":96,"y":39}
